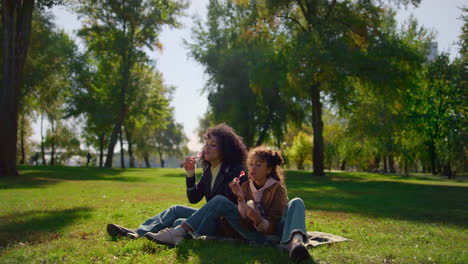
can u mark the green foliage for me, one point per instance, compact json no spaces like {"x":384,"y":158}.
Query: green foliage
{"x":334,"y":136}
{"x":116,"y":34}
{"x":300,"y":151}
{"x":151,"y":119}
{"x":241,"y":57}
{"x":441,"y":111}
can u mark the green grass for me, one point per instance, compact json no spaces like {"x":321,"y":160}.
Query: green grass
{"x":59,"y":215}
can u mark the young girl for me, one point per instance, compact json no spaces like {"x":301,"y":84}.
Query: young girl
{"x":262,"y":211}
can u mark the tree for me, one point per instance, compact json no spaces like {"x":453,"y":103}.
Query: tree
{"x":247,"y":73}
{"x":149,"y":112}
{"x":335,"y":44}
{"x":171,"y":141}
{"x":125,"y":28}
{"x":440,"y":105}
{"x":92,"y":84}
{"x":16,"y":30}
{"x":17,"y":17}
{"x":62,"y":143}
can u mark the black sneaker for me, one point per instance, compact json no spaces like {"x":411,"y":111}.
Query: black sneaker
{"x":298,"y":251}
{"x":116,"y":230}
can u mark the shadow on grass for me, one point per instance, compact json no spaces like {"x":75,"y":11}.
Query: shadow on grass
{"x":38,"y":225}
{"x":229,"y":252}
{"x":40,"y":176}
{"x":380,"y":196}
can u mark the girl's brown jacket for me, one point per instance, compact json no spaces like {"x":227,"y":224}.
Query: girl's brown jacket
{"x":274,"y":201}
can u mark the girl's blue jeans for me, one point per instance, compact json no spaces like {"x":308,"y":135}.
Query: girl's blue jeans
{"x":203,"y":221}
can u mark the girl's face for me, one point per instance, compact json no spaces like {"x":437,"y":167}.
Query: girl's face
{"x":211,"y":150}
{"x":258,"y":170}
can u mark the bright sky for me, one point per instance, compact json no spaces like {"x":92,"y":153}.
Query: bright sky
{"x":187,"y":75}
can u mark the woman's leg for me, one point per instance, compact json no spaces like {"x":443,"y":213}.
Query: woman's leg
{"x":165,"y":219}
{"x":294,"y":221}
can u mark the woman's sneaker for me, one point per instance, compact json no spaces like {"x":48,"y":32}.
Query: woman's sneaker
{"x":116,"y":230}
{"x":298,"y":251}
{"x":169,"y":236}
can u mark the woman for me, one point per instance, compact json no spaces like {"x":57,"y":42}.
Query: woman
{"x":222,"y":159}
{"x":261,"y":215}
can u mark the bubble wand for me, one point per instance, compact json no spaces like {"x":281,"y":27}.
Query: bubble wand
{"x":237,"y":179}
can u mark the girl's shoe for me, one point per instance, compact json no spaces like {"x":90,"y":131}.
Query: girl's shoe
{"x":298,"y":251}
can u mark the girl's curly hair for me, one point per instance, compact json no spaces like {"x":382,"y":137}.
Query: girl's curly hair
{"x":231,"y":145}
{"x":274,"y":160}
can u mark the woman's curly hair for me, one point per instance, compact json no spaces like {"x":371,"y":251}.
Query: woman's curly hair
{"x":274,"y":160}
{"x":231,"y":145}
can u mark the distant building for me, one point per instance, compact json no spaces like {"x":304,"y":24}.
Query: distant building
{"x":433,"y":52}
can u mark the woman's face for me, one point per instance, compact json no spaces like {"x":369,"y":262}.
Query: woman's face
{"x":258,"y":170}
{"x":211,"y":150}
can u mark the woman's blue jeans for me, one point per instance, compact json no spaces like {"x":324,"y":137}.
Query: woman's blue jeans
{"x":171,"y":217}
{"x":203,"y":221}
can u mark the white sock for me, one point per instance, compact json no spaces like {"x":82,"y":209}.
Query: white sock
{"x":179,"y":230}
{"x":298,"y":236}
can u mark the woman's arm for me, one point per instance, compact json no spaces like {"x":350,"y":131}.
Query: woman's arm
{"x":195,"y":190}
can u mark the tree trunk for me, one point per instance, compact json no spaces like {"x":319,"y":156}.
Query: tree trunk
{"x":377,"y":162}
{"x":262,"y":135}
{"x":433,"y":157}
{"x":317,"y":125}
{"x":115,"y":130}
{"x":42,"y":141}
{"x":16,"y":20}
{"x":406,"y":166}
{"x":122,"y":154}
{"x":52,"y":153}
{"x":147,"y":163}
{"x":101,"y":150}
{"x":265,"y":128}
{"x":300,"y":164}
{"x":391,"y":163}
{"x":343,"y":165}
{"x":161,"y":159}
{"x":130,"y":148}
{"x":447,"y":170}
{"x":126,"y":65}
{"x":385,"y":167}
{"x":23,"y":154}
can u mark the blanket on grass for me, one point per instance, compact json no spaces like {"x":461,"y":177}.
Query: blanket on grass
{"x":315,"y":239}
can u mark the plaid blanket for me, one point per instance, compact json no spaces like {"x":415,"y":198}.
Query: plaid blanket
{"x":315,"y":239}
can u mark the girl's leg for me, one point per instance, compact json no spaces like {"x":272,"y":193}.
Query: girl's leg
{"x":165,"y":219}
{"x":294,"y":221}
{"x":294,"y":232}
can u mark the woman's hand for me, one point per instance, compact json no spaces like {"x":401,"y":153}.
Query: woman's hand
{"x":254,"y":214}
{"x":236,"y":190}
{"x":189,"y":163}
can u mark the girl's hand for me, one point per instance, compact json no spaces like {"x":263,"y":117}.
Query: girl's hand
{"x":189,"y":163}
{"x":254,"y":215}
{"x":236,"y":190}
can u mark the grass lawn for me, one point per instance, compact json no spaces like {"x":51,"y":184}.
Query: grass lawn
{"x":59,"y":215}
